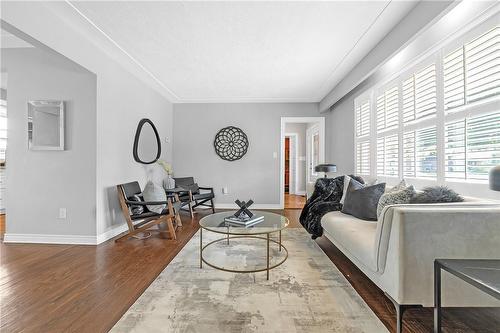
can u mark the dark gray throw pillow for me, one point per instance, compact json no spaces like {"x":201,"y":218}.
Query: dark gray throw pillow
{"x":361,"y":201}
{"x":437,"y":194}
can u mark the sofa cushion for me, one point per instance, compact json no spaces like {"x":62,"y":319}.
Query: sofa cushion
{"x":355,"y":235}
{"x":394,"y":197}
{"x":361,"y":201}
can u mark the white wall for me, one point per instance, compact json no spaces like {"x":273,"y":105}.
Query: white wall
{"x":41,"y":182}
{"x":300,"y":130}
{"x":125,"y":94}
{"x":257,"y":174}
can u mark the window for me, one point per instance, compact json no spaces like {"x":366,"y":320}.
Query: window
{"x":472,"y":72}
{"x":363,"y":119}
{"x":472,"y":147}
{"x":419,"y":95}
{"x":388,"y":156}
{"x":363,"y":158}
{"x":438,"y":121}
{"x":420,"y":153}
{"x":388,"y":109}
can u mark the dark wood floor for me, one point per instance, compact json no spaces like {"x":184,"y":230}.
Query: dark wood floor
{"x":63,"y":288}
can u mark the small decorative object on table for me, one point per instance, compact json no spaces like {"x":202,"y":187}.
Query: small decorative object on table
{"x":168,"y":182}
{"x":243,"y":217}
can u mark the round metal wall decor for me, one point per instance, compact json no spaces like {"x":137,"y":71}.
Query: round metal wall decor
{"x":231,"y":143}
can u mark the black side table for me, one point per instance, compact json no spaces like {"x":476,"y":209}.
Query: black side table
{"x":483,"y":274}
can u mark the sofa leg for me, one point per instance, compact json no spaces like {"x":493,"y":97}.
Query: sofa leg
{"x":400,"y":310}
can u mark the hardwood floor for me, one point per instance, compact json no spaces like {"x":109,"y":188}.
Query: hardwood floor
{"x":293,"y":201}
{"x":63,"y":288}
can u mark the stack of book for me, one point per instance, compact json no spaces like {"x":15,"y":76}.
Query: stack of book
{"x":244,"y":222}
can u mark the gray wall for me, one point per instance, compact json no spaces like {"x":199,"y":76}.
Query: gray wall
{"x":339,"y":125}
{"x":257,"y":174}
{"x":300,"y":130}
{"x":122,"y":102}
{"x":41,"y":182}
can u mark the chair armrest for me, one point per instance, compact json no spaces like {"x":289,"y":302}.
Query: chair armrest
{"x":144,"y":203}
{"x":211,"y":189}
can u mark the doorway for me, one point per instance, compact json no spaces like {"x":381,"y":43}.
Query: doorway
{"x":301,"y":147}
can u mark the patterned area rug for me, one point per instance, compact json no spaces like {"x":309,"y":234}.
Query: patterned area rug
{"x":305,"y":294}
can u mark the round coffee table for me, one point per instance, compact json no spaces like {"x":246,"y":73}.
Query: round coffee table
{"x":273,"y":223}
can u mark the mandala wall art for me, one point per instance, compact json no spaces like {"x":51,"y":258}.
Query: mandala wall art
{"x":231,"y":143}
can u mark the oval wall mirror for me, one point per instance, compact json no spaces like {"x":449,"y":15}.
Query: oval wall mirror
{"x":147,"y":145}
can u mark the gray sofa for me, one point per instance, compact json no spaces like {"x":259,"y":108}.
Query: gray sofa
{"x":397,"y":252}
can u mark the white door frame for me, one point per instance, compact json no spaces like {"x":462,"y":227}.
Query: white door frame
{"x":284,"y":120}
{"x":294,"y":168}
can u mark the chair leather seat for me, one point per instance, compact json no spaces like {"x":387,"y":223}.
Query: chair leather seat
{"x":144,"y":215}
{"x":202,"y":196}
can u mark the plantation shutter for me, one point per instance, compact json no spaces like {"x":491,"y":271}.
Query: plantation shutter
{"x":363,"y":119}
{"x":388,"y":109}
{"x":387,"y":156}
{"x":483,"y":66}
{"x":419,"y":95}
{"x":472,"y":72}
{"x":483,"y":145}
{"x":472,"y":147}
{"x":420,"y":153}
{"x":363,"y":158}
{"x":454,"y":150}
{"x":454,"y":79}
{"x":409,"y":154}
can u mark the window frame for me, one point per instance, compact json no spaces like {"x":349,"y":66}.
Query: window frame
{"x":466,"y":111}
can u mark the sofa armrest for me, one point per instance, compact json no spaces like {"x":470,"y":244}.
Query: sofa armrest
{"x":421,"y":233}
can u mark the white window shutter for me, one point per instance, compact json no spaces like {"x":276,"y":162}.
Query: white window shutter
{"x":388,"y":109}
{"x":426,"y":152}
{"x":363,"y":158}
{"x":454,"y":150}
{"x":483,"y":145}
{"x":454,"y":79}
{"x":388,"y":156}
{"x":409,"y":154}
{"x":425,"y":93}
{"x":363,"y":119}
{"x":409,"y":100}
{"x":483,"y":66}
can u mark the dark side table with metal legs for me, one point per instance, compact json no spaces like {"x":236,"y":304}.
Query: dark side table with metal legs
{"x":483,"y":274}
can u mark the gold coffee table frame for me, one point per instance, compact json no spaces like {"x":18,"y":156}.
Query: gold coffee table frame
{"x":242,"y":233}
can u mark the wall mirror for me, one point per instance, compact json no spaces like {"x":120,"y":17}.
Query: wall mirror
{"x":46,"y":125}
{"x":147,"y":145}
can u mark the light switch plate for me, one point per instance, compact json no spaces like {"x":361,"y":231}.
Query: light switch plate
{"x":62,"y":213}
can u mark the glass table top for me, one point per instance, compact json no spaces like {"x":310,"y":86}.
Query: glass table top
{"x":272,"y":223}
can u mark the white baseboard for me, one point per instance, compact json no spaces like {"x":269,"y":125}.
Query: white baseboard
{"x":113,"y":232}
{"x":49,"y":239}
{"x":254,"y":206}
{"x":300,"y":193}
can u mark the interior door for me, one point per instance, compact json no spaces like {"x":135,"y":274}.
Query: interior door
{"x":313,"y":152}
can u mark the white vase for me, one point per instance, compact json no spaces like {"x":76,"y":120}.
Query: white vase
{"x":168,"y":183}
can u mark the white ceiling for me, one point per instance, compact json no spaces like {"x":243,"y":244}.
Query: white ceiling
{"x":246,"y":51}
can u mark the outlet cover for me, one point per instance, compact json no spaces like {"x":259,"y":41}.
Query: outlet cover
{"x":62,"y":213}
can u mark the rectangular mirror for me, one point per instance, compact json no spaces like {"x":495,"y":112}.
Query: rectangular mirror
{"x":46,"y":125}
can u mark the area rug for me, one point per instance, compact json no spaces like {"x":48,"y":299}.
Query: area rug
{"x":307,"y":293}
